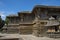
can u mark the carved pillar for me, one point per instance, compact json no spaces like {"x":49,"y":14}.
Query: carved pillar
{"x":46,"y":13}
{"x":21,"y":17}
{"x":14,"y":20}
{"x":36,"y":21}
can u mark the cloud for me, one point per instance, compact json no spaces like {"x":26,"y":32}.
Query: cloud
{"x":2,"y":15}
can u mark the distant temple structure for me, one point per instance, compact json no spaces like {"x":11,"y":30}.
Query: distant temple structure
{"x":41,"y":21}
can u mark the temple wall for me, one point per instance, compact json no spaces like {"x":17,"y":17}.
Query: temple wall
{"x":33,"y":23}
{"x":11,"y":29}
{"x":26,"y":29}
{"x":22,"y":29}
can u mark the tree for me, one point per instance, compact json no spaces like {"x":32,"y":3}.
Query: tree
{"x":2,"y":23}
{"x":6,"y":22}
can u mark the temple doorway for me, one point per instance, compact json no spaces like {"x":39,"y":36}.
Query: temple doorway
{"x":53,"y":29}
{"x":54,"y":16}
{"x":56,"y":28}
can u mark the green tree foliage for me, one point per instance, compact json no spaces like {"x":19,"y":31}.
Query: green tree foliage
{"x":6,"y":21}
{"x":2,"y":22}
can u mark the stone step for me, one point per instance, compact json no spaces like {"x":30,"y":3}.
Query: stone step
{"x":54,"y":35}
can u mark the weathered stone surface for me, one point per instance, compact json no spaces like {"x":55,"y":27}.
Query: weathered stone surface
{"x":39,"y":21}
{"x":24,"y":37}
{"x":9,"y":37}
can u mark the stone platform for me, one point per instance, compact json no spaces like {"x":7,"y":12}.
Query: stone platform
{"x":9,"y":36}
{"x":24,"y":37}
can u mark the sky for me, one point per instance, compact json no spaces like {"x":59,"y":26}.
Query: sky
{"x":8,"y":7}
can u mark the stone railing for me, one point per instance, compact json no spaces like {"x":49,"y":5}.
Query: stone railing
{"x":14,"y":23}
{"x":24,"y":22}
{"x":53,"y":34}
{"x":50,"y":22}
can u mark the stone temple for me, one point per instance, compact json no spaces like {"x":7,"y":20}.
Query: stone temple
{"x":41,"y":21}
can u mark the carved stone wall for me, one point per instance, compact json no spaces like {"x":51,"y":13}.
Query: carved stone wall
{"x":26,"y":29}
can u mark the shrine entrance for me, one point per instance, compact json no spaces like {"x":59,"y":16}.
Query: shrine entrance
{"x":53,"y":29}
{"x":56,"y":28}
{"x":54,"y":16}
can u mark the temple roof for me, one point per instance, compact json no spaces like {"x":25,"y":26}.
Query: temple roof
{"x":47,"y":6}
{"x":37,"y":6}
{"x":25,"y":12}
{"x":12,"y":15}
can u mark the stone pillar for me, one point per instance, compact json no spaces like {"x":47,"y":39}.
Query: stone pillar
{"x":35,"y":28}
{"x":22,"y":18}
{"x":36,"y":21}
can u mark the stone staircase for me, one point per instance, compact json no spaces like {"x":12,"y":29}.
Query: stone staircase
{"x":53,"y":34}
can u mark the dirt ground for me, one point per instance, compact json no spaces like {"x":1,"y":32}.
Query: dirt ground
{"x":26,"y":37}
